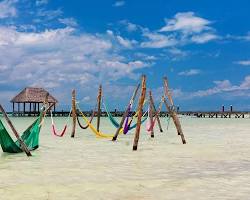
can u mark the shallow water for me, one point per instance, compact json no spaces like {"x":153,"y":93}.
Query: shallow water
{"x":214,"y":164}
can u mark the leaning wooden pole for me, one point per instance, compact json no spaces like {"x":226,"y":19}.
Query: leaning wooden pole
{"x":73,"y":113}
{"x":155,"y":111}
{"x":99,"y":100}
{"x":22,"y":144}
{"x":140,"y":107}
{"x":125,"y":113}
{"x":172,"y":110}
{"x":151,"y":117}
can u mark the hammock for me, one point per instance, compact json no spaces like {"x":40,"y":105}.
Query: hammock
{"x":30,"y":137}
{"x":85,"y":127}
{"x":116,"y":124}
{"x":97,"y":133}
{"x":54,"y":131}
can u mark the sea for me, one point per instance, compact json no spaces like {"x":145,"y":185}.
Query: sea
{"x":214,"y":164}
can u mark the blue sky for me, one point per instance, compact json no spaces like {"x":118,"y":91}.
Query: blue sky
{"x":203,"y":47}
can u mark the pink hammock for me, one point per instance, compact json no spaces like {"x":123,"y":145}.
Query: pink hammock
{"x":150,"y":125}
{"x":59,"y":134}
{"x":53,"y":127}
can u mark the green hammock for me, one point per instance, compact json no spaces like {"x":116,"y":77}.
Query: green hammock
{"x":30,"y":137}
{"x":115,"y":123}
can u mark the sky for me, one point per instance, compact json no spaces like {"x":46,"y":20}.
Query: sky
{"x":203,"y":47}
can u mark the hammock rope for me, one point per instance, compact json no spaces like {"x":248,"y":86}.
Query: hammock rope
{"x":53,"y":127}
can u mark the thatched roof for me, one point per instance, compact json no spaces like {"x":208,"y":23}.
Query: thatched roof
{"x":33,"y":95}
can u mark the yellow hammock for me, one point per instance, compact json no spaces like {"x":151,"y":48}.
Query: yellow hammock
{"x":99,"y":133}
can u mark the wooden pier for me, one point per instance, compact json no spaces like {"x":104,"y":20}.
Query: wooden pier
{"x":198,"y":114}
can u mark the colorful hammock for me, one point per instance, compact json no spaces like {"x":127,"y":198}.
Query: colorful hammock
{"x":116,"y":124}
{"x":85,"y":127}
{"x":97,"y":133}
{"x":150,"y":125}
{"x":30,"y":137}
{"x":54,"y":131}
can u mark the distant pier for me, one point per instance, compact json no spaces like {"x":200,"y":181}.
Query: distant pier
{"x":198,"y":114}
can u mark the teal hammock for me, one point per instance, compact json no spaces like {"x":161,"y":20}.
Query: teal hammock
{"x":30,"y":137}
{"x":115,"y":123}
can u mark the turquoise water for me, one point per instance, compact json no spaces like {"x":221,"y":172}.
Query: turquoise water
{"x":214,"y":164}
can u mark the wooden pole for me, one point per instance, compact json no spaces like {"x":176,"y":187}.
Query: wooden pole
{"x":99,"y":99}
{"x":13,"y":107}
{"x":22,"y":144}
{"x":172,"y":111}
{"x":154,"y":108}
{"x":73,"y":112}
{"x":18,"y":108}
{"x":151,"y":116}
{"x":140,"y":107}
{"x":125,"y":114}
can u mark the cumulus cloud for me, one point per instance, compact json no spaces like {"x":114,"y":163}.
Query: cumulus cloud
{"x":186,"y":22}
{"x":60,"y":58}
{"x":8,"y":9}
{"x":183,"y":29}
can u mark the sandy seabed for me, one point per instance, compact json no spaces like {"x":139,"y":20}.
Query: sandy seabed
{"x":214,"y":164}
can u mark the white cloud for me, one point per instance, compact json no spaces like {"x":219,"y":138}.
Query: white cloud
{"x":243,"y":62}
{"x":224,"y":87}
{"x":125,"y":42}
{"x":130,"y":27}
{"x":7,"y":9}
{"x":68,"y":21}
{"x":190,"y":72}
{"x":119,"y":3}
{"x":156,"y":40}
{"x":203,"y":38}
{"x":244,"y":37}
{"x":60,"y":59}
{"x":183,"y":29}
{"x":186,"y":22}
{"x":48,"y":14}
{"x":41,"y":2}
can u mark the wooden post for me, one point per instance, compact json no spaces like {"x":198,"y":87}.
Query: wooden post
{"x":151,"y":116}
{"x":172,"y":111}
{"x":73,"y":112}
{"x":22,"y":144}
{"x":18,"y":108}
{"x":13,"y":107}
{"x":223,"y":108}
{"x":154,"y":108}
{"x":125,"y":113}
{"x":24,"y":107}
{"x":140,"y":107}
{"x":99,"y":99}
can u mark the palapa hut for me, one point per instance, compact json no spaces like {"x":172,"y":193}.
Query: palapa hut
{"x":33,"y":97}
